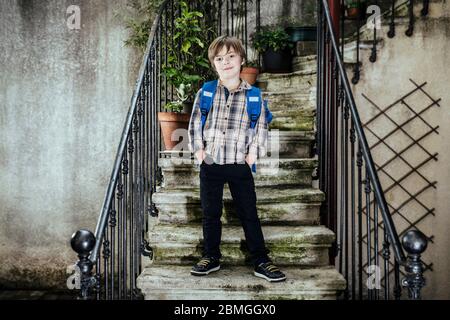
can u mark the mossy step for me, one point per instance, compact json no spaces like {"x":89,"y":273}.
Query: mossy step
{"x":230,"y":283}
{"x":298,"y":81}
{"x":286,"y":205}
{"x":288,"y":245}
{"x":305,"y":63}
{"x":293,"y":143}
{"x":184,"y":173}
{"x":293,"y":122}
{"x":302,"y":103}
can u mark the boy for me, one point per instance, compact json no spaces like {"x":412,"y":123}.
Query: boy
{"x":227,"y":153}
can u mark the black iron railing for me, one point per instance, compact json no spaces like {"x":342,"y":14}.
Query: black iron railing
{"x":355,"y":206}
{"x":111,"y":258}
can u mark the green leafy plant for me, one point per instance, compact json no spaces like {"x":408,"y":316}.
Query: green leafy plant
{"x":187,"y":62}
{"x":177,"y":105}
{"x":252,"y":64}
{"x":270,"y":37}
{"x":138,"y":16}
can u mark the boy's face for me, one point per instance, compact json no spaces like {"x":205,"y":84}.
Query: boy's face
{"x":228,"y":64}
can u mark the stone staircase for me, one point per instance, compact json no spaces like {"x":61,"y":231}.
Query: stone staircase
{"x":287,"y":204}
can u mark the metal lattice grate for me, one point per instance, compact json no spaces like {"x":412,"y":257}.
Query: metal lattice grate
{"x":400,"y":137}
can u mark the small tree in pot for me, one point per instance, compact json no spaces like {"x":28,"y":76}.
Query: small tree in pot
{"x":185,"y":69}
{"x":174,"y":118}
{"x":276,"y":49}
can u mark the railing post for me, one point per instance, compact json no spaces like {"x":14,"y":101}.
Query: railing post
{"x":82,"y":242}
{"x":335,"y":10}
{"x":415,"y":243}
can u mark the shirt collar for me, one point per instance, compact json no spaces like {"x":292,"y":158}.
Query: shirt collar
{"x":244,"y":85}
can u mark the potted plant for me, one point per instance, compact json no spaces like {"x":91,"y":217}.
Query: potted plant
{"x":276,"y":49}
{"x":174,"y":118}
{"x":186,"y":67}
{"x":355,"y":9}
{"x":250,"y":72}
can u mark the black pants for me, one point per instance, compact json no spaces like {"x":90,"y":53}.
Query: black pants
{"x":242,"y":187}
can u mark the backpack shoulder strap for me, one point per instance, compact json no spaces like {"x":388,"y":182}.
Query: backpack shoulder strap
{"x":207,"y":98}
{"x":254,"y":102}
{"x":253,"y":105}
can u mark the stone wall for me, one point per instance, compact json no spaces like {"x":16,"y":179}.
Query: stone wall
{"x":64,"y":95}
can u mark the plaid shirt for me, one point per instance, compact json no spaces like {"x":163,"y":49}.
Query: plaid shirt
{"x":227,"y":136}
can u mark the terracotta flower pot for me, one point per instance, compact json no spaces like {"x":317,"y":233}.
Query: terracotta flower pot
{"x":352,"y":13}
{"x":170,"y":121}
{"x":249,"y":74}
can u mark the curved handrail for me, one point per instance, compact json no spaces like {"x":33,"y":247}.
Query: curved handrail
{"x":378,"y":191}
{"x":103,"y":218}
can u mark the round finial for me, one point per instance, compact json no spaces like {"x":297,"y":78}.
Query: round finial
{"x":414,"y":242}
{"x":82,"y":242}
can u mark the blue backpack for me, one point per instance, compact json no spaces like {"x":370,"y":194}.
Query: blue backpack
{"x":254,"y":99}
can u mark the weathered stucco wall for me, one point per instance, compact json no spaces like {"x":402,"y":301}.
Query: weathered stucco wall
{"x":423,"y":58}
{"x":64,"y":95}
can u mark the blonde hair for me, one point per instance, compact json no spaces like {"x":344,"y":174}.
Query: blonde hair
{"x":228,"y":42}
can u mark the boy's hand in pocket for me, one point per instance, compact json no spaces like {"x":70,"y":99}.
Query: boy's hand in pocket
{"x":200,"y":155}
{"x":250,"y":159}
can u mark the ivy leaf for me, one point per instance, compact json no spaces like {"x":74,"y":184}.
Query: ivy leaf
{"x":203,"y":64}
{"x":186,"y":46}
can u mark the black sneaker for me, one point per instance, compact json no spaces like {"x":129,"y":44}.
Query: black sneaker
{"x":205,"y":266}
{"x":269,"y":272}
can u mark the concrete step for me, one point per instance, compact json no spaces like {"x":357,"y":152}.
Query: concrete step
{"x":288,"y":245}
{"x":305,"y":63}
{"x":292,"y":120}
{"x":181,"y":173}
{"x":292,"y":143}
{"x":436,"y":9}
{"x":284,"y":205}
{"x":303,"y":104}
{"x":365,"y":49}
{"x":292,"y":110}
{"x":230,"y":283}
{"x":299,"y":81}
